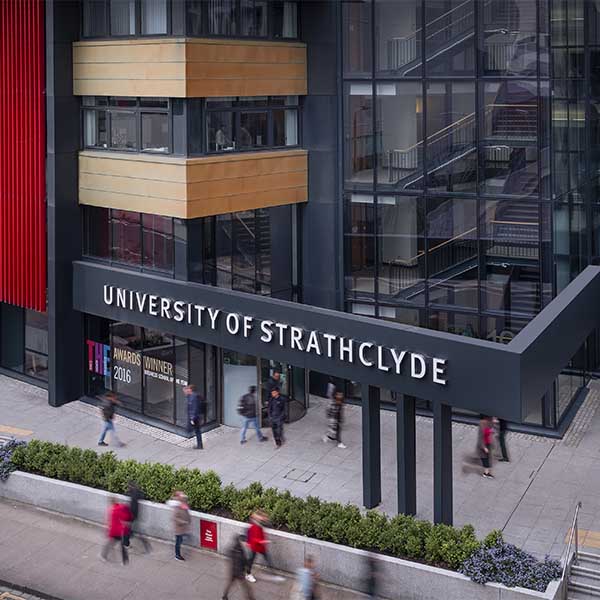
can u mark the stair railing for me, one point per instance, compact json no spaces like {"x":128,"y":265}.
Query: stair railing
{"x":574,"y":535}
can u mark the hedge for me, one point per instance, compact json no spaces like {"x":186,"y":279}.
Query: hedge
{"x":401,"y":536}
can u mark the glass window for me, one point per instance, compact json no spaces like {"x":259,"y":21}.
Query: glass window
{"x":223,"y":250}
{"x":400,"y":247}
{"x":510,"y":37}
{"x":451,"y":145}
{"x":155,"y":132}
{"x":263,"y":250}
{"x":97,"y":232}
{"x":154,"y":17}
{"x":360,"y":244}
{"x":399,"y":135}
{"x":158,"y":242}
{"x":244,"y":251}
{"x":285,"y":19}
{"x":36,"y":344}
{"x":357,"y":36}
{"x":159,"y":375}
{"x":449,"y":37}
{"x":220,"y":131}
{"x":253,"y":18}
{"x":95,"y":134}
{"x":253,"y":130}
{"x":94,"y":18}
{"x":222,"y":17}
{"x":358,"y":133}
{"x":123,"y":135}
{"x":452,"y":322}
{"x":399,"y":47}
{"x":285,"y":127}
{"x":452,"y":251}
{"x":122,"y":17}
{"x":126,"y":365}
{"x":126,"y":237}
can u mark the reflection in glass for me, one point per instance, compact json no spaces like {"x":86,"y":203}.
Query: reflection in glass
{"x":97,"y":232}
{"x":122,"y":130}
{"x":244,"y":251}
{"x":357,"y":36}
{"x":457,"y":323}
{"x":514,"y":289}
{"x":126,"y":237}
{"x":449,"y":37}
{"x":155,"y":132}
{"x":154,"y":17}
{"x":400,"y":247}
{"x":399,"y":135}
{"x":361,"y":244}
{"x":452,"y":252}
{"x":126,"y":364}
{"x":253,"y":18}
{"x":399,"y":46}
{"x":159,"y":375}
{"x":253,"y":130}
{"x":358,"y":133}
{"x":122,"y":17}
{"x":222,"y":17}
{"x":158,"y":242}
{"x":451,"y":130}
{"x":223,"y":250}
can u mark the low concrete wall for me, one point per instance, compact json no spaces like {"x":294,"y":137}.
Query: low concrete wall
{"x":336,"y":564}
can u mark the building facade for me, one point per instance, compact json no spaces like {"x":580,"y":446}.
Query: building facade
{"x":431,"y":163}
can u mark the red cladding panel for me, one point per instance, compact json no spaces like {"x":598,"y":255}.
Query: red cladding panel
{"x":22,"y":154}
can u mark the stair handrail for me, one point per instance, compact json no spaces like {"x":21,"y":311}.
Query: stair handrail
{"x":574,"y":534}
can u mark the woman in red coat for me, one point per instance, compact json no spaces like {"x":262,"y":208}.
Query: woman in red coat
{"x":119,"y":520}
{"x":258,"y":544}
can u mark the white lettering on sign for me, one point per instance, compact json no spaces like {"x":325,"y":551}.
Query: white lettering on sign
{"x":344,"y":349}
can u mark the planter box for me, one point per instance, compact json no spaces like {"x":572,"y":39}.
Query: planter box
{"x":400,"y":579}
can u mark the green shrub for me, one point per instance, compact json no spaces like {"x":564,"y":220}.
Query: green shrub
{"x":369,"y":532}
{"x":203,"y":489}
{"x":450,"y":547}
{"x":493,"y":538}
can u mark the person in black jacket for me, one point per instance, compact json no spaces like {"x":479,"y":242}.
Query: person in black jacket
{"x":277,"y":410}
{"x":247,"y":408}
{"x":196,"y":412}
{"x":135,"y":495}
{"x":237,"y":557}
{"x":108,"y":414}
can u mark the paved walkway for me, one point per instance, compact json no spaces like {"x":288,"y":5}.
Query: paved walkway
{"x":60,"y":557}
{"x":531,"y":499}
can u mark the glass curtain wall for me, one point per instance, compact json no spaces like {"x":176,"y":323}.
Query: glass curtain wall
{"x":447,"y":162}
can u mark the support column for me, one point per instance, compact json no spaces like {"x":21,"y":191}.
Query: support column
{"x":371,"y":446}
{"x":442,"y":463}
{"x":406,"y":454}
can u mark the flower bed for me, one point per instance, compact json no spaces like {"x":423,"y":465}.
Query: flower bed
{"x":401,"y":536}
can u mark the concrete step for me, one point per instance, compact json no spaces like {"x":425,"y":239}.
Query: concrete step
{"x":585,"y":590}
{"x":579,"y":572}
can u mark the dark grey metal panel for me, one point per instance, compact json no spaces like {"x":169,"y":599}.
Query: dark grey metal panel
{"x":474,"y":370}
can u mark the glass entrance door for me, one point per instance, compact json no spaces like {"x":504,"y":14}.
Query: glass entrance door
{"x":291,"y":385}
{"x":239,"y":373}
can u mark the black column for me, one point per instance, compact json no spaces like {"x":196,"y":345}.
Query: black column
{"x":65,"y":326}
{"x":371,"y":446}
{"x":442,"y":463}
{"x":406,"y":454}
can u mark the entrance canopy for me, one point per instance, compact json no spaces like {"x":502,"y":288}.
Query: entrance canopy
{"x":453,"y":370}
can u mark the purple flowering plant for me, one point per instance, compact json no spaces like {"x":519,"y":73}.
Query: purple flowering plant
{"x":6,"y":452}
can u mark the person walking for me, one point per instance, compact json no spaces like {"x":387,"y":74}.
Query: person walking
{"x":135,"y":495}
{"x":181,"y":520}
{"x":330,"y":393}
{"x":247,"y":408}
{"x":502,"y":428}
{"x":196,"y":406}
{"x":484,"y":445}
{"x":109,"y":408}
{"x":277,"y":408}
{"x":306,"y":583}
{"x":372,"y":577}
{"x":258,"y":544}
{"x":237,"y":567}
{"x":119,"y":519}
{"x":335,"y":416}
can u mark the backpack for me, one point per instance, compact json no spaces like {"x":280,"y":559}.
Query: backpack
{"x":241,"y":408}
{"x":108,"y":411}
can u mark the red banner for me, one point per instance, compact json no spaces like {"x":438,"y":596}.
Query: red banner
{"x":208,"y":534}
{"x":22,"y":154}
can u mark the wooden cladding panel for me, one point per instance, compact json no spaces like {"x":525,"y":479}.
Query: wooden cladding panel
{"x":193,"y":68}
{"x":193,"y":187}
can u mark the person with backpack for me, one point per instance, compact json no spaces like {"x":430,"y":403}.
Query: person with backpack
{"x":277,"y":410}
{"x":237,"y":567}
{"x":108,"y":415}
{"x":196,"y":406}
{"x":247,"y":409}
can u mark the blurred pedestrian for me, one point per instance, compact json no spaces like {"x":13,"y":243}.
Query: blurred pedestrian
{"x":484,"y":445}
{"x":109,"y":408}
{"x":306,"y":584}
{"x":335,"y":417}
{"x":502,"y":428}
{"x":135,"y":495}
{"x":247,"y":408}
{"x":237,"y":567}
{"x":277,"y":409}
{"x":181,"y":520}
{"x":372,"y":577}
{"x":330,"y":393}
{"x":258,"y":544}
{"x":119,"y":519}
{"x":196,"y":406}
